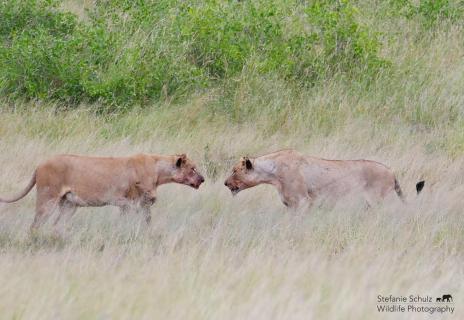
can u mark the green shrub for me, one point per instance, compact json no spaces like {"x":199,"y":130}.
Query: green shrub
{"x":430,"y":11}
{"x":305,"y":43}
{"x":137,"y":52}
{"x":39,"y":53}
{"x":348,"y":45}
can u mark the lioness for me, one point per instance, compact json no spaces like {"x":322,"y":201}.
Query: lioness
{"x":301,"y":179}
{"x":67,"y":182}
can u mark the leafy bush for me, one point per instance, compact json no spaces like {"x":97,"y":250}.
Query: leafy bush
{"x":39,"y":52}
{"x":347,"y":44}
{"x":136,"y":52}
{"x":430,"y":11}
{"x":304,"y":44}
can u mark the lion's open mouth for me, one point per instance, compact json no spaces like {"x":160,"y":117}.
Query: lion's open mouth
{"x":234,"y":190}
{"x":195,"y":185}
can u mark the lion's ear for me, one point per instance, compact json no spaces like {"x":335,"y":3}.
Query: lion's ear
{"x":181,"y":159}
{"x":248,"y":163}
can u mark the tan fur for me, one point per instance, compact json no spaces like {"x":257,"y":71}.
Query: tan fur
{"x":302,"y":179}
{"x":70,"y":181}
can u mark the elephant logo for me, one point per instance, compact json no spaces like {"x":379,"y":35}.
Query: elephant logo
{"x":447,"y":298}
{"x":438,"y":299}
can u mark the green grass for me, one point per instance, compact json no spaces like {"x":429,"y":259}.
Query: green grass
{"x":117,"y":54}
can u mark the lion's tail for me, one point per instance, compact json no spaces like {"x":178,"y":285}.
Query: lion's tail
{"x":419,"y":186}
{"x":23,"y":193}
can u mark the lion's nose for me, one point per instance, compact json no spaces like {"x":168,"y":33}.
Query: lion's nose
{"x":226,"y":183}
{"x":202,"y":179}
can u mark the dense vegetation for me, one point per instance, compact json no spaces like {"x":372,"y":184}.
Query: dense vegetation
{"x":122,"y":53}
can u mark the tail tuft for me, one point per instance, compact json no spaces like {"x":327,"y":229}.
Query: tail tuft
{"x":419,"y":186}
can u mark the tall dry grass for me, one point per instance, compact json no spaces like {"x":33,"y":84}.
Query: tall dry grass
{"x":208,"y":255}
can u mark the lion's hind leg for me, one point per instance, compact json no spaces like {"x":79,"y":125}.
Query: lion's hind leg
{"x":66,"y":208}
{"x":46,"y":204}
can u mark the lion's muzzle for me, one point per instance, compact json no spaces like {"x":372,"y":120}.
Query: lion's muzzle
{"x":198,"y":181}
{"x":233,"y":188}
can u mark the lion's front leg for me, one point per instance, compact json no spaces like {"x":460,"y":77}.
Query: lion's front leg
{"x":296,"y":202}
{"x":146,"y":211}
{"x":125,"y":209}
{"x":147,"y":200}
{"x":142,"y":196}
{"x":141,"y":206}
{"x":294,"y":196}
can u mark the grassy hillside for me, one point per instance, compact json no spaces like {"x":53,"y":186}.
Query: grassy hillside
{"x":124,"y":52}
{"x":379,"y":80}
{"x":280,"y":65}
